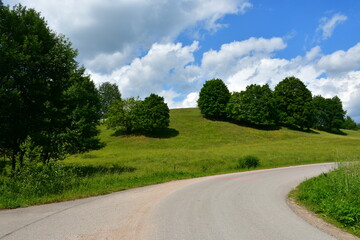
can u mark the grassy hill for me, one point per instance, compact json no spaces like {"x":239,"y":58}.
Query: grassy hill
{"x":193,"y":144}
{"x":191,"y":147}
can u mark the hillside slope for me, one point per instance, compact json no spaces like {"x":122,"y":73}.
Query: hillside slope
{"x":193,"y":144}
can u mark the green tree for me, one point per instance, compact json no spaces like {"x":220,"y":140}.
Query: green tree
{"x":44,"y":94}
{"x":255,"y":105}
{"x":154,"y":113}
{"x":328,"y":113}
{"x":213,"y":98}
{"x":294,"y":103}
{"x":124,"y":114}
{"x":108,"y":94}
{"x":349,"y":123}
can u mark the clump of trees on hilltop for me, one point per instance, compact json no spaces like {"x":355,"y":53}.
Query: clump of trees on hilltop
{"x":291,"y":104}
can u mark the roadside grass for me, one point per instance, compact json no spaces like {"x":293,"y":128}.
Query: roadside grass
{"x":191,"y":147}
{"x":334,"y":196}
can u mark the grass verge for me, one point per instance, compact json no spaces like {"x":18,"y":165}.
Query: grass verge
{"x":191,"y":147}
{"x":334,"y":196}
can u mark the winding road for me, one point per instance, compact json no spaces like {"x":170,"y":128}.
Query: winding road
{"x":248,"y":205}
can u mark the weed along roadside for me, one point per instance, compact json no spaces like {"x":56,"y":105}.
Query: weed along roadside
{"x":200,"y":147}
{"x":334,"y":196}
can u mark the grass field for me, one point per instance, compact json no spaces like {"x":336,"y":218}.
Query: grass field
{"x":334,"y":196}
{"x":192,"y":147}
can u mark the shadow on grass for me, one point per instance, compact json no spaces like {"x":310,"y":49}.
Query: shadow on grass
{"x":255,"y":126}
{"x":159,"y":133}
{"x":87,"y":171}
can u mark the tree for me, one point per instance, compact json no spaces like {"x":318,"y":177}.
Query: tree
{"x":213,"y":98}
{"x":294,"y":102}
{"x":108,"y":94}
{"x":134,"y":115}
{"x":124,"y":114}
{"x":44,"y":94}
{"x":328,"y":113}
{"x":255,"y":105}
{"x":349,"y":123}
{"x":154,"y":113}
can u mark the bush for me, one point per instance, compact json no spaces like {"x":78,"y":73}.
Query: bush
{"x":39,"y":180}
{"x":213,"y":98}
{"x":248,"y":162}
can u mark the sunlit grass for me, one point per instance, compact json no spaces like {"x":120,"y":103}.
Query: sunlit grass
{"x":193,"y":147}
{"x":334,"y":196}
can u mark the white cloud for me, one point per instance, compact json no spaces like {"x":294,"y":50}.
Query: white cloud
{"x":153,"y":72}
{"x":107,"y":29}
{"x":328,"y":25}
{"x":169,"y":70}
{"x":341,"y":61}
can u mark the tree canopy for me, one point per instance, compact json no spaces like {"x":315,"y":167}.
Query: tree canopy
{"x":255,"y":105}
{"x":44,"y":94}
{"x":134,"y":115}
{"x":294,"y":102}
{"x":328,"y":113}
{"x":109,"y":93}
{"x":213,"y":98}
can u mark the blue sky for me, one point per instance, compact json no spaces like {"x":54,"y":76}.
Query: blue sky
{"x":171,"y":47}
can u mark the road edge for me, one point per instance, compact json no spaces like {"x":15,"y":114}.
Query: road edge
{"x":319,"y":223}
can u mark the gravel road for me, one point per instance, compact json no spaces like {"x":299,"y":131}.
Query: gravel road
{"x":250,"y":205}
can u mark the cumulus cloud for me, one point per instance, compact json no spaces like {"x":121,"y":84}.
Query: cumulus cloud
{"x":157,"y":70}
{"x":328,"y":25}
{"x":170,"y":70}
{"x":341,"y":61}
{"x":119,"y":30}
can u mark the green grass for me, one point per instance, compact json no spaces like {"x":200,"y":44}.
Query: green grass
{"x":334,"y":196}
{"x":191,"y":147}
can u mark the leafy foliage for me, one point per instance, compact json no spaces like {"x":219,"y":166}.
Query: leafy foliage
{"x":154,"y":113}
{"x":43,"y":92}
{"x":134,"y":115}
{"x":328,"y":113}
{"x":109,"y":93}
{"x":255,"y":105}
{"x":213,"y":98}
{"x":294,"y":102}
{"x":349,"y":123}
{"x":124,"y":114}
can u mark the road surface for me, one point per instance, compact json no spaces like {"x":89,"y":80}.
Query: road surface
{"x":250,"y":205}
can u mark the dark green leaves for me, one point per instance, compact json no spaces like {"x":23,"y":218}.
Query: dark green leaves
{"x":213,"y":98}
{"x":255,"y":105}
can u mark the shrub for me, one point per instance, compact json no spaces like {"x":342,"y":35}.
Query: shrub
{"x":248,"y":162}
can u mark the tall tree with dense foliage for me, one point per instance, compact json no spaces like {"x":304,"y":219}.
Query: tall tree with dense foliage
{"x":328,"y":113}
{"x":109,"y":93}
{"x":255,"y":105}
{"x":294,"y":102}
{"x":213,"y":98}
{"x":155,"y":113}
{"x":44,"y":94}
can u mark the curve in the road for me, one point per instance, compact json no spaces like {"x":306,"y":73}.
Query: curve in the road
{"x":249,"y":205}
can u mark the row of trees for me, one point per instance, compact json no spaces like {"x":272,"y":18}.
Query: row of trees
{"x":290,"y":104}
